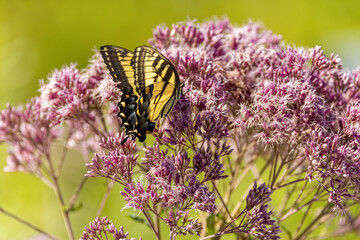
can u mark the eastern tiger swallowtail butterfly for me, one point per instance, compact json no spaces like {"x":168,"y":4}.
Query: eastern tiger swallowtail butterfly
{"x":150,"y":86}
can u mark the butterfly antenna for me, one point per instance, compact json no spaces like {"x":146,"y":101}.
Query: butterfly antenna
{"x":186,"y":92}
{"x":124,"y":140}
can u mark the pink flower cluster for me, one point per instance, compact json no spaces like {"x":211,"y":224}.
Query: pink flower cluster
{"x":247,"y":96}
{"x":242,"y":84}
{"x":28,"y":135}
{"x":102,"y":229}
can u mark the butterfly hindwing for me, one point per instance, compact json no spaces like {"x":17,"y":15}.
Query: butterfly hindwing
{"x":151,"y":67}
{"x":150,"y":86}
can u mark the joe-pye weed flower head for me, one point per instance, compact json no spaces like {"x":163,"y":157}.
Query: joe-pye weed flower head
{"x":287,"y":117}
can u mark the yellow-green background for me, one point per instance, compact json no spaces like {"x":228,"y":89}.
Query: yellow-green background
{"x":40,"y":35}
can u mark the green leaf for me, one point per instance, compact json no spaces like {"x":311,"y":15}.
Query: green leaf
{"x":138,"y":219}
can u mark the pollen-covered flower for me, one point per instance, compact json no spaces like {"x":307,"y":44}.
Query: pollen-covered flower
{"x":102,"y":229}
{"x":261,"y":225}
{"x":257,"y":221}
{"x":118,"y":163}
{"x":28,"y":135}
{"x":63,"y":94}
{"x":71,"y":93}
{"x":248,"y":92}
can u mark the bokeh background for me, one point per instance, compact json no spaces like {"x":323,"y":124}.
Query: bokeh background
{"x":37,"y":36}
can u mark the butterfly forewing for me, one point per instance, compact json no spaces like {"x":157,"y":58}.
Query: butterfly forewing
{"x":119,"y":63}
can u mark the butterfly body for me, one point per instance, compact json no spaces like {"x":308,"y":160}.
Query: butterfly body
{"x":150,"y":86}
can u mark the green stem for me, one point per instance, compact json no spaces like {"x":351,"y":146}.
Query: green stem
{"x":295,"y":210}
{"x":273,"y":169}
{"x":76,"y":194}
{"x":289,"y":183}
{"x":105,"y":197}
{"x":16,"y":218}
{"x":63,"y":155}
{"x":146,"y":214}
{"x":304,"y":233}
{"x":223,"y":202}
{"x":60,"y":198}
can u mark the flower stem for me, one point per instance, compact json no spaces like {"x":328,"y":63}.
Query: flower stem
{"x":16,"y":218}
{"x":146,"y":214}
{"x":223,"y":202}
{"x":60,"y":198}
{"x":63,"y":155}
{"x":289,"y":183}
{"x":76,"y":194}
{"x":295,"y":210}
{"x":304,"y":233}
{"x":105,"y":197}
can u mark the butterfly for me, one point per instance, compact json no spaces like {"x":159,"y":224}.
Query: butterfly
{"x":150,"y":85}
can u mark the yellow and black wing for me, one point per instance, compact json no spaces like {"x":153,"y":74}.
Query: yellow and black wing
{"x":150,"y":86}
{"x":119,"y":63}
{"x":152,"y":68}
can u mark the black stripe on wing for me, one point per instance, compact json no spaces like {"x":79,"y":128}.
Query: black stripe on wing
{"x":139,"y":68}
{"x":118,"y":62}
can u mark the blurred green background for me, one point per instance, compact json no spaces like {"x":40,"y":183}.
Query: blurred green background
{"x":40,"y":35}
